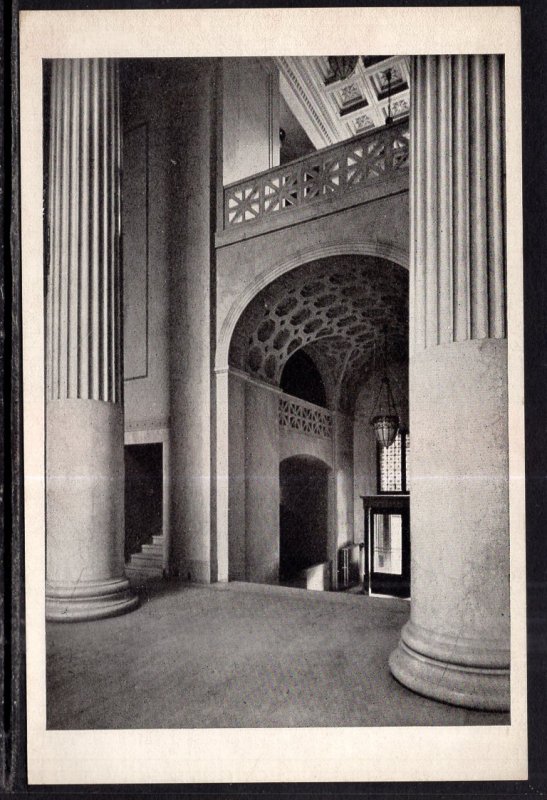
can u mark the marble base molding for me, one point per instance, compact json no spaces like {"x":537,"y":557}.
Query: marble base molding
{"x":89,"y":600}
{"x":485,"y":687}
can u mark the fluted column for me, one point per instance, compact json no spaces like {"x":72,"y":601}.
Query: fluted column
{"x":456,"y":645}
{"x":84,"y":403}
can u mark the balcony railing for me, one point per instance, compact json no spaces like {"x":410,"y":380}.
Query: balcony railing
{"x":362,"y":161}
{"x":302,"y":417}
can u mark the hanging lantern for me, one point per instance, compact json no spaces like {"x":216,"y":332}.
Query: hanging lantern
{"x":342,"y":66}
{"x":386,"y":421}
{"x":385,"y":427}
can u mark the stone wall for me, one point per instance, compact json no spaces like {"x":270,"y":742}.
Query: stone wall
{"x":147,"y":140}
{"x":170,"y":127}
{"x":250,"y":118}
{"x":377,"y":228}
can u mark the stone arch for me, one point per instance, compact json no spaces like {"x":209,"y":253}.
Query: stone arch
{"x":334,"y":311}
{"x":230,"y":380}
{"x":384,"y":250}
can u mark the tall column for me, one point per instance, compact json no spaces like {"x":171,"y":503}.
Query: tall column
{"x":455,"y":647}
{"x":84,"y":410}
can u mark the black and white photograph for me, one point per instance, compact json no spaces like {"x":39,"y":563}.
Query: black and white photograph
{"x":277,"y":318}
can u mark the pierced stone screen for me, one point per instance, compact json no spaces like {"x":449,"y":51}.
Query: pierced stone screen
{"x":393,"y":465}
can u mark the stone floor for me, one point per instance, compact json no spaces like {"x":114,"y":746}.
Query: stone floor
{"x":238,"y":655}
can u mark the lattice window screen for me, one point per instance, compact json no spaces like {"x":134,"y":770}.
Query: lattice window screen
{"x":407,"y":457}
{"x":393,"y":465}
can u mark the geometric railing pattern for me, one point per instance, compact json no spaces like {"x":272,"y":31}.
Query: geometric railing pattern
{"x":296,"y":415}
{"x":363,"y":160}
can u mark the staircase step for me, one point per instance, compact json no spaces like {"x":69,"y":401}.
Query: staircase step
{"x":152,"y":548}
{"x":145,"y":571}
{"x":147,"y":558}
{"x":143,"y":565}
{"x":157,"y":540}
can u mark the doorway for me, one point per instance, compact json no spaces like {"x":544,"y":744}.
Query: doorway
{"x":303,"y":516}
{"x":387,"y":546}
{"x":143,"y":495}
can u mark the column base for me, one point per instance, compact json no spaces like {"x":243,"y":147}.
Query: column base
{"x":78,"y":602}
{"x":480,"y":688}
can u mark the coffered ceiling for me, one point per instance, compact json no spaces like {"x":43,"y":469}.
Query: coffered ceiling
{"x":338,"y":310}
{"x":330,"y":110}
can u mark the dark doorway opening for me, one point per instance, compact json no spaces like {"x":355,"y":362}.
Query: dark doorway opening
{"x":143,"y":495}
{"x":301,"y":378}
{"x":303,"y":517}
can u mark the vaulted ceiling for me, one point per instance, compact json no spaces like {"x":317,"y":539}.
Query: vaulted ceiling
{"x":336,"y":310}
{"x":330,"y":110}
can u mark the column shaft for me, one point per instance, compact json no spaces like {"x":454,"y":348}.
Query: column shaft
{"x":456,"y":646}
{"x":457,"y":252}
{"x":84,"y":411}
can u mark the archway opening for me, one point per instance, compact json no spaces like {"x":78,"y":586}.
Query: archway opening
{"x":303,"y":516}
{"x":301,"y":378}
{"x":314,"y":333}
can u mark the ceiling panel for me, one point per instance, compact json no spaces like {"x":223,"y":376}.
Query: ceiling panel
{"x":331,"y":110}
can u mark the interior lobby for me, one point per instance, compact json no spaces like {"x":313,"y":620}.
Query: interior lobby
{"x":253,"y":265}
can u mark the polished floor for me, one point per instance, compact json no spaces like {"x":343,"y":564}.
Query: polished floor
{"x":238,"y":655}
